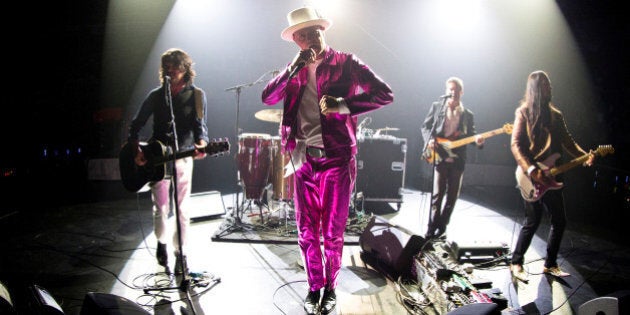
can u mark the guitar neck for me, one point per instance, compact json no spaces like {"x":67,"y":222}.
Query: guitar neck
{"x":213,"y":148}
{"x":471,"y":139}
{"x":569,"y":165}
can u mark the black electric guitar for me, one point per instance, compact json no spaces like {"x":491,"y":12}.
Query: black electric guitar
{"x":444,"y":145}
{"x":134,"y":177}
{"x":532,"y":191}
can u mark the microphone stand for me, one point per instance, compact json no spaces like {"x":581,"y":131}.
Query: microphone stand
{"x":185,"y":283}
{"x":238,"y":89}
{"x":434,"y":157}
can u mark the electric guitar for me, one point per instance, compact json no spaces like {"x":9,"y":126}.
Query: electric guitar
{"x":134,"y":176}
{"x":444,"y":145}
{"x":532,"y":191}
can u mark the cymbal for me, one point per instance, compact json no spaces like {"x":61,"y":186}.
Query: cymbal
{"x":270,"y":115}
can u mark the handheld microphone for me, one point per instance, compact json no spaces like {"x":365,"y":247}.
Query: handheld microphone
{"x":302,"y":63}
{"x":446,"y":96}
{"x":297,"y":69}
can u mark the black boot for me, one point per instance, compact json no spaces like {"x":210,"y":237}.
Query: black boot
{"x":181,"y":266}
{"x":311,"y":302}
{"x":329,"y":301}
{"x":161,"y":255}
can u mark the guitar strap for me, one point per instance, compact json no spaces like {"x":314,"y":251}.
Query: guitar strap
{"x":199,"y":102}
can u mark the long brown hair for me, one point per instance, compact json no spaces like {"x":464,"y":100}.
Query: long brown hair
{"x":538,"y":105}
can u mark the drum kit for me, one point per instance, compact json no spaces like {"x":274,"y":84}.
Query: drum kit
{"x":261,"y":164}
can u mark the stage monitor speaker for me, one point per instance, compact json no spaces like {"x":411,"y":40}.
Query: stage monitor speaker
{"x":109,"y":304}
{"x":39,"y":301}
{"x":617,"y":303}
{"x":389,"y":248}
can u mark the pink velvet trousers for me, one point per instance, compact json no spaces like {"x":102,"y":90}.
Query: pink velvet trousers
{"x":323,"y":187}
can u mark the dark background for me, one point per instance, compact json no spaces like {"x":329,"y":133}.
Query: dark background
{"x":71,"y":96}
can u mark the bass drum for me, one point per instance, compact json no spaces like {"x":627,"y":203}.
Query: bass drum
{"x":283,"y":187}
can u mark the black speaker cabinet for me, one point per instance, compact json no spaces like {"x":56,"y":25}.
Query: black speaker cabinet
{"x":389,"y":249}
{"x":381,"y":168}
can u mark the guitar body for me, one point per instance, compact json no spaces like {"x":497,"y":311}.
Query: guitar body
{"x":444,"y":146}
{"x":133,"y":176}
{"x":534,"y":191}
{"x":442,"y":151}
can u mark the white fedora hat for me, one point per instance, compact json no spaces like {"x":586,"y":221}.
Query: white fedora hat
{"x":301,"y":18}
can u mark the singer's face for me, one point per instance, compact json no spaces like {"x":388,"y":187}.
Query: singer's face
{"x":310,"y":37}
{"x":175,"y":72}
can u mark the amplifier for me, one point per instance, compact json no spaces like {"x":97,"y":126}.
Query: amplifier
{"x":381,"y":168}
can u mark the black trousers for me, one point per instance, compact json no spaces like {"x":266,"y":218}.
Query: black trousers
{"x":447,"y":182}
{"x":553,"y":202}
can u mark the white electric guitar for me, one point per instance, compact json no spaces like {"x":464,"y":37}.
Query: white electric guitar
{"x":534,"y":191}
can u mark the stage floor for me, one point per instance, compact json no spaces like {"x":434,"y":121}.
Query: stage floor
{"x":254,"y":267}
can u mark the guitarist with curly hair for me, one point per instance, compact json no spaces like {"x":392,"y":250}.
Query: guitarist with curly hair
{"x":188,"y":111}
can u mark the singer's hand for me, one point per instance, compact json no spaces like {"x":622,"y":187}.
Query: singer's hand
{"x":328,"y":104}
{"x":303,"y":58}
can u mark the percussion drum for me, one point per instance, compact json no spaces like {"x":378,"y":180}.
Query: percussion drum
{"x":282,"y":186}
{"x":254,"y":163}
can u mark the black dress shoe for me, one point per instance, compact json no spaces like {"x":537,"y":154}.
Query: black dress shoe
{"x":329,"y":301}
{"x":161,"y":255}
{"x":311,"y":302}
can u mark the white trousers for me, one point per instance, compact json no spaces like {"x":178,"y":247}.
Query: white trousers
{"x":161,"y":196}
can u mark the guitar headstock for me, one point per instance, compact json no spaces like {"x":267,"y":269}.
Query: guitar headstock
{"x":603,"y":150}
{"x":217,"y":147}
{"x":507,"y":128}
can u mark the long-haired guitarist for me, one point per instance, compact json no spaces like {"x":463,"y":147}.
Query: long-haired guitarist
{"x":539,"y":132}
{"x":447,"y":119}
{"x":189,"y":113}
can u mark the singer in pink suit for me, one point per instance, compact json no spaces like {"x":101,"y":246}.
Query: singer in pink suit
{"x":324,"y":91}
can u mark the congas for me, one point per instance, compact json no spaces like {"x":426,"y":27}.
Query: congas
{"x":282,"y":186}
{"x":254,"y":162}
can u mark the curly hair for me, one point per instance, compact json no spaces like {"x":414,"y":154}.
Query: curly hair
{"x":179,"y":58}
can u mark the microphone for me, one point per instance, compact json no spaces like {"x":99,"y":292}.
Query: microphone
{"x":446,"y":96}
{"x":301,"y":64}
{"x":297,"y":69}
{"x":167,"y":79}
